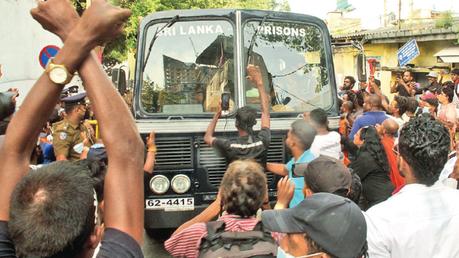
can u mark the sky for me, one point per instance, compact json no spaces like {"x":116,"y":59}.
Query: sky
{"x":370,"y":11}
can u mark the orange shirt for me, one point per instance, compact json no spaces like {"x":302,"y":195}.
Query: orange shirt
{"x":395,"y":177}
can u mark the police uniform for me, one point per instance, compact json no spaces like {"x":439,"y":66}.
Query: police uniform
{"x":66,"y":135}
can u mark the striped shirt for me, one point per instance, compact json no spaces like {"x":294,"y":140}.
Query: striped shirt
{"x":186,"y":243}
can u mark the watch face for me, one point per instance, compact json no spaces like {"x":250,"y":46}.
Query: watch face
{"x":58,"y":75}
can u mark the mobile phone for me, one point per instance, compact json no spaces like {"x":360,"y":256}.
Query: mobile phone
{"x":225,"y":101}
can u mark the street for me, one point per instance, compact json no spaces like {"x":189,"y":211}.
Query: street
{"x":154,"y":247}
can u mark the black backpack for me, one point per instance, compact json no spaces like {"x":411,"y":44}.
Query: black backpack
{"x":256,"y":243}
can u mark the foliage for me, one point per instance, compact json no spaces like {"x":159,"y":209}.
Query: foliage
{"x":445,"y":20}
{"x":117,"y":50}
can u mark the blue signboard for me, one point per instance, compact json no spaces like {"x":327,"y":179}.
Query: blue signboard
{"x":46,"y":53}
{"x":408,"y":52}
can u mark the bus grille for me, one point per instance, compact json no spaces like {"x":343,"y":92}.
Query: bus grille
{"x":173,"y":152}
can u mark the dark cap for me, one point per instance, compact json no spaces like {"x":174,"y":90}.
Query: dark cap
{"x":78,"y":99}
{"x":97,"y":153}
{"x":326,"y":174}
{"x":335,"y":223}
{"x":455,"y":71}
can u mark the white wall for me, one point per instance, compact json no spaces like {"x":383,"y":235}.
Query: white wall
{"x":21,"y":39}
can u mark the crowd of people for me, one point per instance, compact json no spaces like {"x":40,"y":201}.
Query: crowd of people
{"x":384,"y":185}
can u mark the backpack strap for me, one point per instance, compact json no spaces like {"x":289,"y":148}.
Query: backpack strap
{"x":214,"y":231}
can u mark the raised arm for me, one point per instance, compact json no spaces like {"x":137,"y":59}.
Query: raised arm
{"x":123,"y":188}
{"x":151,"y":154}
{"x":38,"y":105}
{"x":254,"y":75}
{"x":209,"y":136}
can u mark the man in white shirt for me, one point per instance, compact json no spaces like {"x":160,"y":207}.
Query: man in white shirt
{"x":326,"y":142}
{"x":422,"y":220}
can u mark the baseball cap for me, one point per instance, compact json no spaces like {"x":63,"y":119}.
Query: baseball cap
{"x":97,"y":152}
{"x":326,"y":174}
{"x":428,"y":95}
{"x":335,"y":223}
{"x":432,"y":74}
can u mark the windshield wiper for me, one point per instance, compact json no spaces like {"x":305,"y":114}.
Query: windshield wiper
{"x":253,"y":39}
{"x":155,"y":36}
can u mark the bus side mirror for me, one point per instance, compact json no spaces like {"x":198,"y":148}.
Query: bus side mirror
{"x":119,"y":79}
{"x":361,"y":67}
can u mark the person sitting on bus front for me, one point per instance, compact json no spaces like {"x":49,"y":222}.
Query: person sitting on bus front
{"x":249,"y":145}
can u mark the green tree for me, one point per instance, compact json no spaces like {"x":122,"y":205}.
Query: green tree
{"x":117,"y":50}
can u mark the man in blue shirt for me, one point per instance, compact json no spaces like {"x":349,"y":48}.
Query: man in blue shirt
{"x":373,"y":115}
{"x":298,"y":141}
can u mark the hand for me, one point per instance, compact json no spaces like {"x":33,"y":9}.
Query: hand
{"x":254,"y":75}
{"x":285,"y":189}
{"x":151,"y":139}
{"x":56,"y":16}
{"x":102,"y":22}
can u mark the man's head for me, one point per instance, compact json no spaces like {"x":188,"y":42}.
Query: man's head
{"x":75,"y":106}
{"x":389,"y":127}
{"x":325,"y":175}
{"x":348,"y":83}
{"x":373,"y":102}
{"x":300,"y":136}
{"x":323,"y":224}
{"x":412,"y":105}
{"x":455,"y":75}
{"x":446,"y":95}
{"x":407,"y":76}
{"x":423,"y":150}
{"x":53,"y":211}
{"x":318,"y":118}
{"x":398,"y":105}
{"x":246,"y":118}
{"x":346,"y":107}
{"x":432,"y":77}
{"x":7,"y":103}
{"x":243,"y":188}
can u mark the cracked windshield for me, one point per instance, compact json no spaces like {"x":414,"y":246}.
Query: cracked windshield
{"x":189,"y":67}
{"x":293,"y":59}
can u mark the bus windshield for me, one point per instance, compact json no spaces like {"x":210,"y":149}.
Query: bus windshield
{"x":294,"y":57}
{"x":190,"y":65}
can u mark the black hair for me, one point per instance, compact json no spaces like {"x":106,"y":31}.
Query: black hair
{"x":304,"y":132}
{"x":68,"y":108}
{"x":52,"y":211}
{"x":350,"y":78}
{"x":314,"y":247}
{"x":455,"y":71}
{"x":448,"y":84}
{"x":372,"y":145}
{"x":246,"y":118}
{"x":424,"y":144}
{"x":449,"y":92}
{"x":411,"y":105}
{"x":378,"y":82}
{"x":402,"y":103}
{"x":243,"y":188}
{"x":319,"y":117}
{"x":408,"y":71}
{"x":433,"y":102}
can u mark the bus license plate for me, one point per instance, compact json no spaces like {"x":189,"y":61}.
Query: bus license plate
{"x":170,"y":204}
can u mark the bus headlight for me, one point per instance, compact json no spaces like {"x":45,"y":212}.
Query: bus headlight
{"x":159,"y":184}
{"x":180,"y":183}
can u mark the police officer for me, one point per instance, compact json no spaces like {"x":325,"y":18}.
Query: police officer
{"x":71,"y":132}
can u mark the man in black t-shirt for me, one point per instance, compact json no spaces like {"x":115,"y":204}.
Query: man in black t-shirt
{"x":249,"y":145}
{"x":53,"y":211}
{"x":404,"y":86}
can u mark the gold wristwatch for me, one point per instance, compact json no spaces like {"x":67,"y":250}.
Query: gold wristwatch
{"x":58,"y":74}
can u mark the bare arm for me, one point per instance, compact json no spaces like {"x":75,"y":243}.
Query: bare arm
{"x":277,"y":168}
{"x":206,"y":215}
{"x":254,"y":75}
{"x":27,"y":122}
{"x":151,"y":154}
{"x":123,"y":187}
{"x":209,"y":136}
{"x":393,"y":87}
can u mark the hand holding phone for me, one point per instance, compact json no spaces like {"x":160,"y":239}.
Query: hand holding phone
{"x":225,"y":101}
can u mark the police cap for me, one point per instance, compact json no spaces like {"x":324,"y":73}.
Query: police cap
{"x":78,"y":99}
